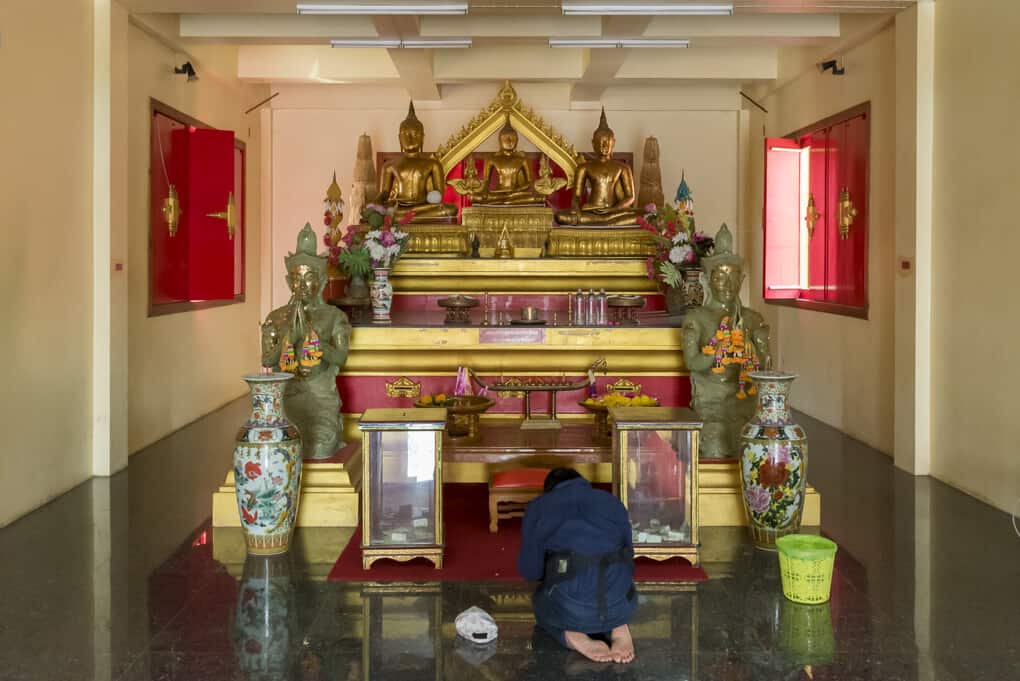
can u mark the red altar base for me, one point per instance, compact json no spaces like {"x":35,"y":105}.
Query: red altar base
{"x":474,"y":554}
{"x":364,"y":392}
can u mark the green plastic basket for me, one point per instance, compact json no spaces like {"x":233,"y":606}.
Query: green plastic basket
{"x":805,"y":564}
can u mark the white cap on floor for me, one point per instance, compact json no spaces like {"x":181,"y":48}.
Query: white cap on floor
{"x":476,"y":625}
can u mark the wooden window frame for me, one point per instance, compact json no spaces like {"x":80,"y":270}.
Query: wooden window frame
{"x":158,"y":310}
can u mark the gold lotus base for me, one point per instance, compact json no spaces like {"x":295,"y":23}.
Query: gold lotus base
{"x":371,"y":554}
{"x":328,"y":497}
{"x":528,"y":227}
{"x":437,"y":239}
{"x":599,"y":242}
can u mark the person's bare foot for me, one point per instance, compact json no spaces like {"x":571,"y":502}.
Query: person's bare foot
{"x":597,"y":651}
{"x":622,"y":650}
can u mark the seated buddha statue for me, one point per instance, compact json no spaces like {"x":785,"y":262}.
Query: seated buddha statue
{"x":406,"y":182}
{"x":309,"y":338}
{"x":507,"y":173}
{"x":722,"y":342}
{"x":610,"y":185}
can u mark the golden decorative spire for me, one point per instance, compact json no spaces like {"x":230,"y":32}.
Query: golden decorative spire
{"x":507,"y":127}
{"x":333,"y":193}
{"x":411,"y":119}
{"x":603,"y":125}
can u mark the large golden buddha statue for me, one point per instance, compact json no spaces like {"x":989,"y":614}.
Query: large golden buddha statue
{"x":610,"y":186}
{"x":407,"y":182}
{"x":511,"y":171}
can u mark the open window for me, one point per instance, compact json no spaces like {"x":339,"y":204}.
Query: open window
{"x":816,"y":216}
{"x":197,"y":221}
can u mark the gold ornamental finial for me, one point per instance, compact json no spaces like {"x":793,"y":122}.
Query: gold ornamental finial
{"x":507,"y":127}
{"x":412,"y":119}
{"x":603,"y":125}
{"x":333,"y":193}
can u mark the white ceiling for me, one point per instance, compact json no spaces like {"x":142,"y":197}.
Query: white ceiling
{"x":510,"y":41}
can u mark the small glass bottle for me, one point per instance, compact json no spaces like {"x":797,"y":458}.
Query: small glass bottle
{"x":579,"y":308}
{"x":570,"y":309}
{"x":602,"y":307}
{"x":592,"y":308}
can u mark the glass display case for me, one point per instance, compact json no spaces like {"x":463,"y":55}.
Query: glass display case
{"x":401,"y":493}
{"x":655,"y":475}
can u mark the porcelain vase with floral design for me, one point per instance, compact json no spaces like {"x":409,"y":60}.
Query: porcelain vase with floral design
{"x":267,"y":468}
{"x":773,"y":462}
{"x":694,"y":292}
{"x":381,"y":292}
{"x":264,"y":624}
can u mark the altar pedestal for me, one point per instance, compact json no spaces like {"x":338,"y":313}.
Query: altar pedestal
{"x":329,"y":497}
{"x":594,"y":241}
{"x":527,"y":226}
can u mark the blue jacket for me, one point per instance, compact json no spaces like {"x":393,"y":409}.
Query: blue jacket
{"x":575,"y":517}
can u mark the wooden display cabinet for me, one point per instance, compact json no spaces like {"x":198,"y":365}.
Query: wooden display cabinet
{"x":401,"y":488}
{"x":655,"y":475}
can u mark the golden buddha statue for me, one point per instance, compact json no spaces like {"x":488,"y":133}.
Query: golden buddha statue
{"x":610,"y":184}
{"x":512,"y":171}
{"x":408,"y":182}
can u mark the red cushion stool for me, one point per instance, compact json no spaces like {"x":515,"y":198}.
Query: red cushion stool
{"x":513,"y":489}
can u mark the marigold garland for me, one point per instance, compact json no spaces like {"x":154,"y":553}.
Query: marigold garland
{"x":730,"y":346}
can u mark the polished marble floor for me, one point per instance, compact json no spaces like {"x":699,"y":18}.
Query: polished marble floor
{"x":122,"y":579}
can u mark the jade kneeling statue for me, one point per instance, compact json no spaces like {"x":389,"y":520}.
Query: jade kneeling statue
{"x":310,"y":339}
{"x":723,"y":342}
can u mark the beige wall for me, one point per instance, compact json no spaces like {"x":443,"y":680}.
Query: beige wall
{"x":315,"y":131}
{"x":845,"y":364}
{"x":45,"y":261}
{"x":184,"y":365}
{"x":975,"y":374}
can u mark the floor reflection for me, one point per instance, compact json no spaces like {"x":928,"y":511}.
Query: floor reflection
{"x":113,"y":582}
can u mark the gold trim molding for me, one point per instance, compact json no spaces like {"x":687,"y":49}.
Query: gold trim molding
{"x":523,"y":119}
{"x":403,"y":387}
{"x":624,"y":385}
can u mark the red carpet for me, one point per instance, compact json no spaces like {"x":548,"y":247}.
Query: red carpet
{"x":475,"y":554}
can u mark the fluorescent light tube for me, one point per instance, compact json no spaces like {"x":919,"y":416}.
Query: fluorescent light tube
{"x":383,"y":8}
{"x":365,"y":42}
{"x":411,"y":43}
{"x":618,"y":42}
{"x":621,"y":8}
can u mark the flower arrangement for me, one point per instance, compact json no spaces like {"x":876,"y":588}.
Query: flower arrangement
{"x":358,"y":251}
{"x":679,"y":246}
{"x":385,"y":240}
{"x":731,"y":346}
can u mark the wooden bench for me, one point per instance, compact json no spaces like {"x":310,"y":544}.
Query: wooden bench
{"x":513,"y":488}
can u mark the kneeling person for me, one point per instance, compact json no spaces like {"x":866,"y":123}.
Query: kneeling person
{"x":576,"y":541}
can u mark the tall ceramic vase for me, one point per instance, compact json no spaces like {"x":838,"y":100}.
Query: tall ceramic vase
{"x":267,"y":468}
{"x":773,"y":462}
{"x":381,"y":292}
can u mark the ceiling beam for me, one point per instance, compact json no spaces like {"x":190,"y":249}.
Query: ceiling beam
{"x":414,"y":66}
{"x":416,"y":73}
{"x":604,"y":64}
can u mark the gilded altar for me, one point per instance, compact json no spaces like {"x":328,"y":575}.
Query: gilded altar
{"x":528,"y":226}
{"x":526,"y":209}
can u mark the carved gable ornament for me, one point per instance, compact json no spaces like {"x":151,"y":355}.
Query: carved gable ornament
{"x":523,"y":118}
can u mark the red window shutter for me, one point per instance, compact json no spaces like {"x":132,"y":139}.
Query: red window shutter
{"x":203,"y":171}
{"x":850,"y":255}
{"x":781,"y":219}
